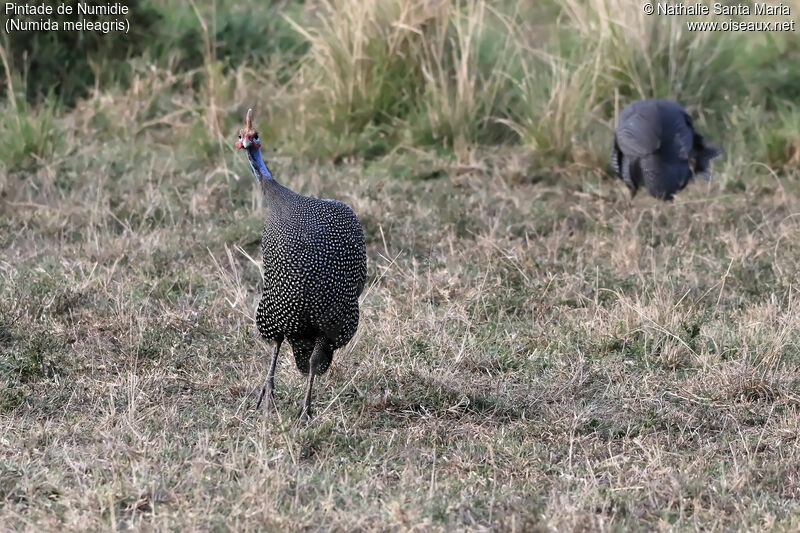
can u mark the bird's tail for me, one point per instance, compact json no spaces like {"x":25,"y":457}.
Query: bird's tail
{"x":309,"y":352}
{"x":323,"y":355}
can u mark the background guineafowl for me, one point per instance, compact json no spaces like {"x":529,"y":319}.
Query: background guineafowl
{"x":315,"y":265}
{"x":656,"y":145}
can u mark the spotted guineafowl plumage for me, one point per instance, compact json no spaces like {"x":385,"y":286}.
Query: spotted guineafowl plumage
{"x":315,"y":266}
{"x":656,"y":145}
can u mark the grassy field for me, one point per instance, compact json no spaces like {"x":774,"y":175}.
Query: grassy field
{"x":537,"y":351}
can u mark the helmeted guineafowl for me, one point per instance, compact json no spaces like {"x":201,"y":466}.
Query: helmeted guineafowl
{"x":656,"y":145}
{"x":315,"y":266}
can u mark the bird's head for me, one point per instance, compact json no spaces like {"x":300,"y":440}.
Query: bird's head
{"x":250,"y":142}
{"x":700,"y":161}
{"x":248,"y":136}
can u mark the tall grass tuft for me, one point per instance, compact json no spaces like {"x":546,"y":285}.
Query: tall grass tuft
{"x":468,"y":55}
{"x":783,"y":140}
{"x":644,"y":56}
{"x":557,"y":101}
{"x":383,"y":72}
{"x":28,"y":134}
{"x":360,"y":73}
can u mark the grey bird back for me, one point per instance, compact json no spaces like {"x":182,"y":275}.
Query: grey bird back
{"x":656,"y":146}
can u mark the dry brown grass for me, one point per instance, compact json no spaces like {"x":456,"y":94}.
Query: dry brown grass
{"x":533,"y":354}
{"x":536,"y":352}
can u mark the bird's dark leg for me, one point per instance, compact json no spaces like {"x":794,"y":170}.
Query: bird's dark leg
{"x":305,"y":412}
{"x":313,"y":367}
{"x":269,"y":384}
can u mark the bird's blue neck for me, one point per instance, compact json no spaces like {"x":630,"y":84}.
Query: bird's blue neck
{"x":260,"y":169}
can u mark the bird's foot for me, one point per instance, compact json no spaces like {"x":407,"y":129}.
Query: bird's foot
{"x":266,"y":401}
{"x":305,"y":413}
{"x":269,"y":405}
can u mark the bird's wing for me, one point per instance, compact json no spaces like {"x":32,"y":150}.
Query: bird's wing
{"x":661,"y":177}
{"x":683,"y":146}
{"x":639,"y":129}
{"x":681,"y":124}
{"x":621,"y":167}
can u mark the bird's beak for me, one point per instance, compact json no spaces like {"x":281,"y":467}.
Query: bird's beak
{"x":246,"y":142}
